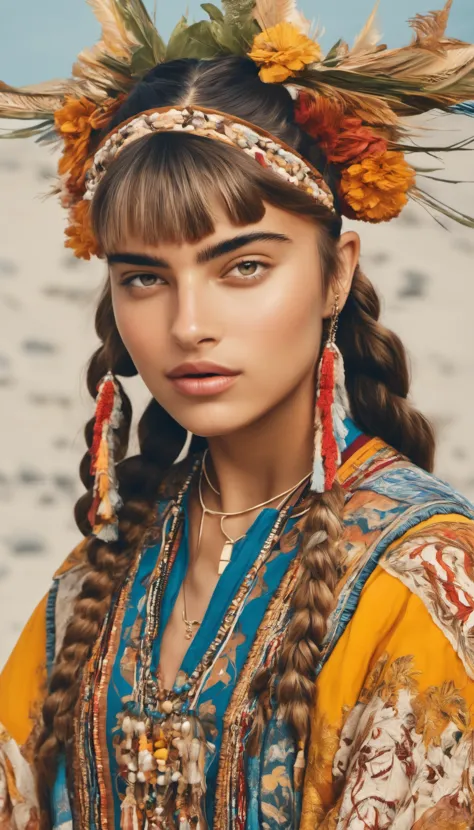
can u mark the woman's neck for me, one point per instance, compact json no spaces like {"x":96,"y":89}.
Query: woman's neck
{"x":266,"y":458}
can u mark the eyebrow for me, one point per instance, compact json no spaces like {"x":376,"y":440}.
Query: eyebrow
{"x":227,"y":246}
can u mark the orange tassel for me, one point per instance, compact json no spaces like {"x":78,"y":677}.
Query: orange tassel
{"x":106,"y":499}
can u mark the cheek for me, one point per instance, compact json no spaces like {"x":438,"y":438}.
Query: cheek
{"x":284,"y":328}
{"x":137,"y":325}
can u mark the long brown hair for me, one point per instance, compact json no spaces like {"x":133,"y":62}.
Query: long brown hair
{"x":160,"y":189}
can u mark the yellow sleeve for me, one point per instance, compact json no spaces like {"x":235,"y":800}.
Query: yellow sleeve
{"x":23,"y":679}
{"x":23,"y":686}
{"x":392,"y":743}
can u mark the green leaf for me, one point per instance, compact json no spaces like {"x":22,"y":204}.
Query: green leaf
{"x":175,"y":41}
{"x":214,"y":13}
{"x":238,"y":12}
{"x":142,"y":61}
{"x":225,"y":38}
{"x":196,"y":41}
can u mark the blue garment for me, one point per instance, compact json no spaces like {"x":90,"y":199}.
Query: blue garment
{"x":215,"y":696}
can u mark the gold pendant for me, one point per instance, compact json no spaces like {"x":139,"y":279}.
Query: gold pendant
{"x":190,"y":625}
{"x":225,"y":557}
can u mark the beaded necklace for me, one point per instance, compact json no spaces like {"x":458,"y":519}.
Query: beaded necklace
{"x":162,"y":744}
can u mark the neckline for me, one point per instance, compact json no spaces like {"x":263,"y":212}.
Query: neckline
{"x":244,"y":555}
{"x":246,"y":551}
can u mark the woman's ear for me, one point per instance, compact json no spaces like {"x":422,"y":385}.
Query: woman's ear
{"x":348,"y":256}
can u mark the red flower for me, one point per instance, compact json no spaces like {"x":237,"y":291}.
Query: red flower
{"x":343,"y":139}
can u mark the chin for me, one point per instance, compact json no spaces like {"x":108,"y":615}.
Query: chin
{"x":214,"y":420}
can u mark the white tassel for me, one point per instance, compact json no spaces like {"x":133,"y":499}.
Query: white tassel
{"x":298,"y":769}
{"x":128,"y":812}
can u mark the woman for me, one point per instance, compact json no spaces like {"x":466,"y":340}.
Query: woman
{"x":277,"y":630}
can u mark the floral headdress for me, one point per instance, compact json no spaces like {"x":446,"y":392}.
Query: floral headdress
{"x":355,"y":102}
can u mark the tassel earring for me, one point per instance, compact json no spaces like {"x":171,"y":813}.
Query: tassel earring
{"x":332,"y":407}
{"x":106,"y":499}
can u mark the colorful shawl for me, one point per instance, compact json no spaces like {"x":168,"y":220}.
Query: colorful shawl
{"x":392,"y":744}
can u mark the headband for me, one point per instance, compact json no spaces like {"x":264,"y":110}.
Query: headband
{"x":257,"y":143}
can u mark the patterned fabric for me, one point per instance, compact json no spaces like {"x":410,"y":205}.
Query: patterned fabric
{"x":392,"y":742}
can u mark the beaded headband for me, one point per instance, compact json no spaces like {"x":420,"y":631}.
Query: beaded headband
{"x":257,"y":143}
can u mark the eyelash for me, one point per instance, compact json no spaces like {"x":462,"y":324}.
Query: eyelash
{"x":254,"y":277}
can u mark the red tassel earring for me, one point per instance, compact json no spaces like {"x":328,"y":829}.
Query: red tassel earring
{"x":106,"y":499}
{"x":332,"y":407}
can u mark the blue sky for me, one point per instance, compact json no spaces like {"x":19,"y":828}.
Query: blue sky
{"x":40,"y":38}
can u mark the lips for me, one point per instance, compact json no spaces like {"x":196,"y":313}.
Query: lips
{"x":202,"y":368}
{"x":202,"y":378}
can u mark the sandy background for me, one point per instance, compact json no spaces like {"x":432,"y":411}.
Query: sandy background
{"x":47,"y":300}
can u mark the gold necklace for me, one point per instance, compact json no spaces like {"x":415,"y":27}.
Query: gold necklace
{"x":189,"y":625}
{"x":227,"y":550}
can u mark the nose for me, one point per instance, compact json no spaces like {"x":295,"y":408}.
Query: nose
{"x":195,"y":318}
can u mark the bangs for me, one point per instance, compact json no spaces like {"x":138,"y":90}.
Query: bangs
{"x":164,"y":188}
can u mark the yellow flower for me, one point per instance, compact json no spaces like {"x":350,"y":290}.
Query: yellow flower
{"x":282,"y":51}
{"x":376,"y":188}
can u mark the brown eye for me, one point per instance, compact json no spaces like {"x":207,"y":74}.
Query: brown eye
{"x":144,"y":281}
{"x":248,"y":269}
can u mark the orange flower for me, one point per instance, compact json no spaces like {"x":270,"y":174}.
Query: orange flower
{"x":376,"y":188}
{"x":75,"y":122}
{"x":79,"y":233}
{"x":282,"y":51}
{"x":342,"y":138}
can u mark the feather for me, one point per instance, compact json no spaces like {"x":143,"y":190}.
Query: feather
{"x":269,"y":13}
{"x":116,"y":37}
{"x":43,"y":132}
{"x":138,"y":21}
{"x":410,"y":79}
{"x":430,"y":28}
{"x":31,"y":102}
{"x":369,"y":37}
{"x":97,"y":74}
{"x":431,"y":202}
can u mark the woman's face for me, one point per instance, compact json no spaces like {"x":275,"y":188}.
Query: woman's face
{"x":224,"y":329}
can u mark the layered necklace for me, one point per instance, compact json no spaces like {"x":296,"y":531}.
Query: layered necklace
{"x":162,"y":745}
{"x":226,"y":553}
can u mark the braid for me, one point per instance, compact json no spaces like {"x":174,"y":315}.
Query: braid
{"x":311,"y":604}
{"x":377,"y":377}
{"x":161,"y":441}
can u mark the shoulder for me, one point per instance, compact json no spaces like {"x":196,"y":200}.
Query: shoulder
{"x":435,"y":562}
{"x":417,"y":530}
